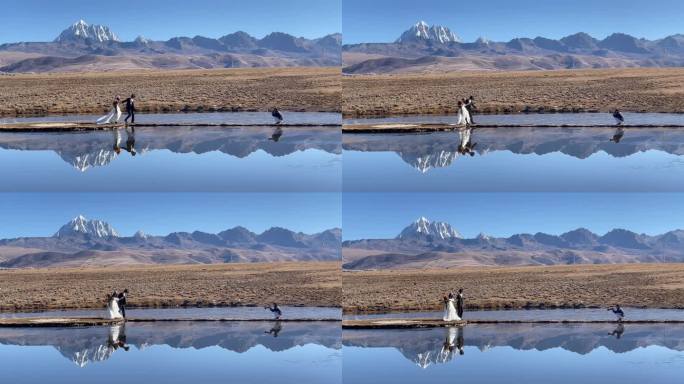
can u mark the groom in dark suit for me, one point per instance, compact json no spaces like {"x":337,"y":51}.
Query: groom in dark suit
{"x":122,"y":302}
{"x":130,"y":109}
{"x":459,"y":303}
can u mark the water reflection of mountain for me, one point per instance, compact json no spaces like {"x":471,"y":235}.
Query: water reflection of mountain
{"x":435,"y":150}
{"x":97,"y":344}
{"x":426,"y":347}
{"x":84,"y":150}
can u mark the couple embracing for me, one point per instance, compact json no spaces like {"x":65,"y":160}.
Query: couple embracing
{"x":116,"y":305}
{"x":453,"y":306}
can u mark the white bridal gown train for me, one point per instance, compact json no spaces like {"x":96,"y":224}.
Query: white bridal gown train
{"x":450,"y":311}
{"x":111,"y":117}
{"x":113,"y":311}
{"x":463,"y":117}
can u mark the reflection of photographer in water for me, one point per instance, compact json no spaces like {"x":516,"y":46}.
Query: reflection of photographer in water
{"x":117,"y":338}
{"x":275,"y":330}
{"x":618,"y":331}
{"x":276,"y":134}
{"x":618,"y":135}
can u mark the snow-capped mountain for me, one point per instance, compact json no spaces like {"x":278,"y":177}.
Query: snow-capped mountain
{"x":420,"y":32}
{"x":89,"y":47}
{"x":82,"y":31}
{"x":83,"y":242}
{"x":424,"y":227}
{"x":424,"y":244}
{"x":81,"y":225}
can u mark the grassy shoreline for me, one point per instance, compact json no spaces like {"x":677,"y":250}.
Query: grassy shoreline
{"x":303,"y":89}
{"x":576,"y":286}
{"x":315,"y":284}
{"x":580,"y":90}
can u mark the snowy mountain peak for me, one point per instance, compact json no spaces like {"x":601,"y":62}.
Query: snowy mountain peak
{"x":81,"y":225}
{"x":482,"y":41}
{"x":142,"y":40}
{"x":420,"y":32}
{"x":424,"y":227}
{"x":82,"y":31}
{"x":483,"y":236}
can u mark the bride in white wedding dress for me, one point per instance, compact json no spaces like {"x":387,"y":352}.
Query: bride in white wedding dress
{"x":113,"y":116}
{"x":463,"y":117}
{"x":113,"y":311}
{"x":450,"y":309}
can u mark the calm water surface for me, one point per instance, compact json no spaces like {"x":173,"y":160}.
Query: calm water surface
{"x":516,"y":354}
{"x":194,"y":313}
{"x":269,"y":352}
{"x":535,"y":118}
{"x":174,"y":159}
{"x":517,"y":159}
{"x":538,"y":314}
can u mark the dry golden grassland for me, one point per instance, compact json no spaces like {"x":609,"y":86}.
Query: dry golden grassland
{"x":301,"y":283}
{"x":637,"y":285}
{"x":253,"y":89}
{"x":635,"y":89}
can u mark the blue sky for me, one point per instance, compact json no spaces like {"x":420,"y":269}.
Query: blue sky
{"x":42,"y":214}
{"x":384,"y":215}
{"x":501,"y":20}
{"x":43,"y":20}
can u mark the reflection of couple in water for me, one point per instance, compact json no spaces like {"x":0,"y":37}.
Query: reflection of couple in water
{"x":116,"y":305}
{"x":453,"y":341}
{"x":130,"y":141}
{"x":117,"y":338}
{"x":466,"y":145}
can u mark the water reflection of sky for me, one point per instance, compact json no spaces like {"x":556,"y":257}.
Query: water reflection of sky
{"x":516,"y":354}
{"x":174,"y":159}
{"x":516,"y":159}
{"x":652,"y":171}
{"x":173,"y":353}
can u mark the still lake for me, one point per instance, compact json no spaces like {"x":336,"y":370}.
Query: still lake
{"x":516,"y":353}
{"x":177,"y":159}
{"x":177,"y":352}
{"x":519,"y":159}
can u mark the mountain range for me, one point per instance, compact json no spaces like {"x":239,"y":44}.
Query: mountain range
{"x":83,"y":242}
{"x":89,"y":150}
{"x":424,"y":48}
{"x":439,"y":150}
{"x":86,"y":47}
{"x":422,"y":244}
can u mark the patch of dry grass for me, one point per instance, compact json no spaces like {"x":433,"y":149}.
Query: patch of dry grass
{"x":635,"y":285}
{"x":252,"y":89}
{"x":301,"y":283}
{"x":634,"y":89}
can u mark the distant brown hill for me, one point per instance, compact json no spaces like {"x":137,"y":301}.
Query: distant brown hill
{"x":425,"y":244}
{"x":83,"y":242}
{"x":84,"y":47}
{"x":420,"y":49}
